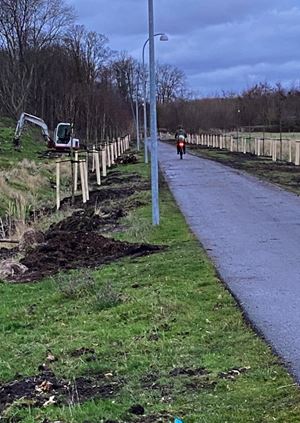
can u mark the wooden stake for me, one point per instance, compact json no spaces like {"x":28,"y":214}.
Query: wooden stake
{"x":97,"y":165}
{"x":119,"y":146}
{"x":103,"y":156}
{"x":76,"y":172}
{"x":297,"y":155}
{"x":57,"y":185}
{"x":107,"y":151}
{"x":93,"y":161}
{"x":82,"y":180}
{"x":85,"y":165}
{"x":112,"y":153}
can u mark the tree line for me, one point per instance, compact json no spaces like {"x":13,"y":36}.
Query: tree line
{"x":260,"y":108}
{"x":58,"y":70}
{"x":53,"y":68}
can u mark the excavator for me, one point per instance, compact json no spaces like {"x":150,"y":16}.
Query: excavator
{"x":62,"y":139}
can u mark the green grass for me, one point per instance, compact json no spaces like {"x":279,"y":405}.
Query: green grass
{"x":24,"y":177}
{"x":174,"y":313}
{"x":32,"y":144}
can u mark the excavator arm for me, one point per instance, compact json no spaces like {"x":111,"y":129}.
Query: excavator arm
{"x":25,"y":117}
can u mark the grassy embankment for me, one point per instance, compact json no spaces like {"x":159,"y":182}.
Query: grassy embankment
{"x":26,"y":181}
{"x":163,"y":312}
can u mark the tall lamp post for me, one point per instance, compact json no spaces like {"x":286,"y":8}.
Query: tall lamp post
{"x":137,"y":118}
{"x":153,"y":120}
{"x":163,"y":37}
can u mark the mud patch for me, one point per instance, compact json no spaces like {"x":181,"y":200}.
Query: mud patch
{"x":180,"y":371}
{"x":106,"y":206}
{"x":82,"y":351}
{"x":72,"y":250}
{"x":77,"y":241}
{"x":6,"y":253}
{"x":233,"y":373}
{"x":45,"y":389}
{"x":88,"y":220}
{"x":119,"y":178}
{"x":127,"y":159}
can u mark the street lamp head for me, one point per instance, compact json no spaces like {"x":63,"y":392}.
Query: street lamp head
{"x":164,"y":37}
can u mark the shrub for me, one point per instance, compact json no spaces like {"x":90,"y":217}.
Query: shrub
{"x":76,"y":284}
{"x":106,"y":297}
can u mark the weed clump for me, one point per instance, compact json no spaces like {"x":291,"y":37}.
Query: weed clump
{"x":75,"y":285}
{"x":82,"y":284}
{"x":106,"y":297}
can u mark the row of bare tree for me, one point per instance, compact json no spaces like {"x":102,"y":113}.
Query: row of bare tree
{"x":60,"y":71}
{"x":260,"y":108}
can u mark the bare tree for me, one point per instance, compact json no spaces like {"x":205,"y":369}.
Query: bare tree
{"x":170,"y":83}
{"x":26,"y":27}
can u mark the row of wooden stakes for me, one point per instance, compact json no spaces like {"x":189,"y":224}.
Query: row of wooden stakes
{"x":286,"y":149}
{"x":102,"y":158}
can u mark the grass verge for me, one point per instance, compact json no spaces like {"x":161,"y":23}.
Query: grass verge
{"x":27,"y":182}
{"x":162,"y":326}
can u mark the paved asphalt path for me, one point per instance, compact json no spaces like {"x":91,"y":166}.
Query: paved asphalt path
{"x":251,"y":230}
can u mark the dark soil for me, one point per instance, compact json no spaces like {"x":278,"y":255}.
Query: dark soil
{"x":65,"y":250}
{"x":115,"y":185}
{"x":6,"y":253}
{"x":82,"y":351}
{"x":37,"y":390}
{"x":77,"y":241}
{"x":137,"y":409}
{"x":127,"y":159}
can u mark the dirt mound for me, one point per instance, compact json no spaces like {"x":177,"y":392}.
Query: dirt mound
{"x":46,"y":388}
{"x":76,"y":241}
{"x":71,"y":250}
{"x":127,"y":159}
{"x":30,"y":239}
{"x":6,"y":253}
{"x":89,"y":220}
{"x":100,"y":195}
{"x":121,"y":178}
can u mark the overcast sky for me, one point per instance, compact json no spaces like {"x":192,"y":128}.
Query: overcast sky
{"x":221,"y":45}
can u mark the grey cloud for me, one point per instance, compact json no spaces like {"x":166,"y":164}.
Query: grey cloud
{"x":242,"y":77}
{"x":226,"y":44}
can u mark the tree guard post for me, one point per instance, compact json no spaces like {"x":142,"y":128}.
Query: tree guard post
{"x":109,"y":156}
{"x":82,"y":180}
{"x":97,"y":165}
{"x":86,"y":168}
{"x":57,"y":185}
{"x":76,"y":172}
{"x":103,"y":157}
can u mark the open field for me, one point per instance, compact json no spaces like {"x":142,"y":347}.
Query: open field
{"x":273,"y":135}
{"x":139,"y":339}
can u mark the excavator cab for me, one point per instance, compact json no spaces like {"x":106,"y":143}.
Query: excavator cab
{"x":63,"y":136}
